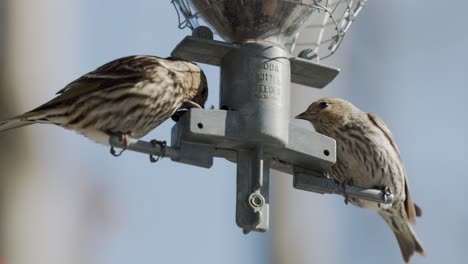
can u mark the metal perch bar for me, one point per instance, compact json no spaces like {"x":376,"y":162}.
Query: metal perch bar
{"x":145,"y":147}
{"x":306,"y":182}
{"x":302,"y":180}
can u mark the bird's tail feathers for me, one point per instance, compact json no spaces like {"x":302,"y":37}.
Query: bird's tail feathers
{"x":28,"y":118}
{"x":404,"y":233}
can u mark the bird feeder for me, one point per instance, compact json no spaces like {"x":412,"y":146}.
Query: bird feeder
{"x":252,"y":126}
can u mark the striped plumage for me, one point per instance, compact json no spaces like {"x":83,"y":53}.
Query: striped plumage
{"x":129,"y":96}
{"x":367,"y":156}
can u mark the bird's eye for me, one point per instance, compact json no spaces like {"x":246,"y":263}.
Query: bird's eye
{"x":323,"y":105}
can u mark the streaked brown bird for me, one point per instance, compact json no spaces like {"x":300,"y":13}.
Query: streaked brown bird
{"x":127,"y":97}
{"x":367,"y":156}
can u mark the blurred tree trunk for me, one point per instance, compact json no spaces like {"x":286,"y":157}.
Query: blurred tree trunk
{"x":305,"y":225}
{"x":14,"y":146}
{"x":42,"y":219}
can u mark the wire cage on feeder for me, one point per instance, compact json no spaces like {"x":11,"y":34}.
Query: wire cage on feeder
{"x":252,"y":126}
{"x":324,"y":23}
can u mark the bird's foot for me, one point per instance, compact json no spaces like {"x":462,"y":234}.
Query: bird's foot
{"x":162,"y":147}
{"x":343,"y":185}
{"x":345,"y":194}
{"x":123,"y":138}
{"x":386,"y":192}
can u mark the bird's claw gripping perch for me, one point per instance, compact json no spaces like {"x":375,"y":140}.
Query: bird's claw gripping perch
{"x":386,"y":193}
{"x":346,"y":196}
{"x":343,"y":185}
{"x":114,"y":153}
{"x":162,"y":146}
{"x":123,"y":137}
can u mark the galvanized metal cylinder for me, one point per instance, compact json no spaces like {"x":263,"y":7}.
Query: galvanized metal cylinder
{"x":255,"y":81}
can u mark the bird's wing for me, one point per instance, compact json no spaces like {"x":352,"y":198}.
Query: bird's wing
{"x":412,"y":210}
{"x":381,"y":125}
{"x":123,"y":72}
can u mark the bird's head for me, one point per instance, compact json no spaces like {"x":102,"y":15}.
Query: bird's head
{"x":197,"y":95}
{"x":327,"y":112}
{"x":202,"y":94}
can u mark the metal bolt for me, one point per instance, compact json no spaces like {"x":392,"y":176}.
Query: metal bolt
{"x":256,"y":200}
{"x":203,"y":32}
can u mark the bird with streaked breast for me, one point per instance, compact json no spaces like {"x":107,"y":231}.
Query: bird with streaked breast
{"x":127,"y":97}
{"x":367,"y":156}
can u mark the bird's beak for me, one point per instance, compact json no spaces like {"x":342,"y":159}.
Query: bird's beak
{"x":302,"y":116}
{"x":309,"y":116}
